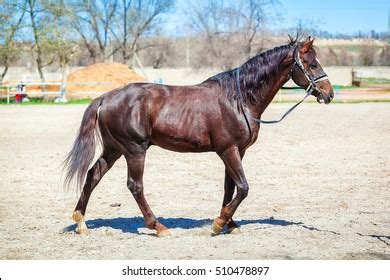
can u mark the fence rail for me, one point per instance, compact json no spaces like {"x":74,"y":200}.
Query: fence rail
{"x":11,"y":89}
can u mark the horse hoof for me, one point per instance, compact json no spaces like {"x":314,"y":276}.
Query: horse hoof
{"x":83,"y":231}
{"x":217,"y":226}
{"x":234,"y":230}
{"x":163,"y":233}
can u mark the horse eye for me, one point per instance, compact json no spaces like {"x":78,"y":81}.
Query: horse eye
{"x":313,"y":66}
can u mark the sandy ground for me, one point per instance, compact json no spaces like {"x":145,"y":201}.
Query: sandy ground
{"x":319,"y":189}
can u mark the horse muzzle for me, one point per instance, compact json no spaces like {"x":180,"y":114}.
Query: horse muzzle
{"x":324,"y":98}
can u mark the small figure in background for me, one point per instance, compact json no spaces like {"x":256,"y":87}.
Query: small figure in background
{"x":21,"y":95}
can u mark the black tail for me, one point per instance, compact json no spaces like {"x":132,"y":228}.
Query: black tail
{"x":80,"y":157}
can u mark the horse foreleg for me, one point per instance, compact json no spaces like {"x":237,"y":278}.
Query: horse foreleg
{"x":101,"y":166}
{"x":135,"y":165}
{"x":227,"y":198}
{"x":232,"y":160}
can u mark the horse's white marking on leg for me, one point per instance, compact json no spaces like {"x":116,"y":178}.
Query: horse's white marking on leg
{"x":81,"y":225}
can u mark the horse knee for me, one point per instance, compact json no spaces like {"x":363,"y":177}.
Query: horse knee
{"x":134,"y":187}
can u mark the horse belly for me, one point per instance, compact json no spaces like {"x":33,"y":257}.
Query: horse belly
{"x":184,"y":134}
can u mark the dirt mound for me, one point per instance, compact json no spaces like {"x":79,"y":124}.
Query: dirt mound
{"x":96,"y":79}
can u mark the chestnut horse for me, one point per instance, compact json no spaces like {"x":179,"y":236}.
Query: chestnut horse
{"x":220,"y":114}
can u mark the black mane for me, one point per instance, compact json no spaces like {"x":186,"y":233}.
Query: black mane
{"x":253,"y":74}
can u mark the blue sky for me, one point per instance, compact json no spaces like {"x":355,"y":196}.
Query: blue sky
{"x":344,"y":16}
{"x":335,"y":16}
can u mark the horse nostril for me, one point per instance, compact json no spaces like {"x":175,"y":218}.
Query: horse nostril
{"x":331,"y":95}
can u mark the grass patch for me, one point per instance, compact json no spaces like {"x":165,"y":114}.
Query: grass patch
{"x":86,"y":101}
{"x":335,"y":87}
{"x":40,"y":101}
{"x":351,"y":101}
{"x":78,"y":101}
{"x":373,"y":80}
{"x":335,"y":101}
{"x":338,"y":87}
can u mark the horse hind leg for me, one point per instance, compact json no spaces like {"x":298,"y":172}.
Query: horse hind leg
{"x":79,"y":219}
{"x":94,"y":175}
{"x":135,"y":165}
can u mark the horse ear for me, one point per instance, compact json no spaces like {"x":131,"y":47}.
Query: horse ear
{"x":306,"y":46}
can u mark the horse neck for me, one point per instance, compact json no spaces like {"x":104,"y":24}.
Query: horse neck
{"x":264,"y":90}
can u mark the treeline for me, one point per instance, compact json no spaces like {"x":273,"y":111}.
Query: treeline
{"x":208,"y":33}
{"x":64,"y":33}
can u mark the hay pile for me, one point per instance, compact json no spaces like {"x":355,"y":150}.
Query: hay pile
{"x":109,"y":75}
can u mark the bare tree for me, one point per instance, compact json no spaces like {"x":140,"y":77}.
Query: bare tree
{"x":344,"y":57}
{"x":236,"y":24}
{"x":329,"y":56}
{"x":38,"y":23}
{"x":253,"y":16}
{"x":208,"y":19}
{"x":93,"y":21}
{"x":367,"y":54}
{"x":135,"y":19}
{"x":384,"y":56}
{"x":60,"y":38}
{"x":11,"y":17}
{"x":160,"y":52}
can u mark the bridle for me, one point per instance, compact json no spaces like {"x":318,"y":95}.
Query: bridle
{"x":311,"y":88}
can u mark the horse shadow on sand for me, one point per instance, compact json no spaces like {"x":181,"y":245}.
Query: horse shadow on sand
{"x":133,"y":224}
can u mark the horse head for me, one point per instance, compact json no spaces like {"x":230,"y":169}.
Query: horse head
{"x":307,"y":72}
